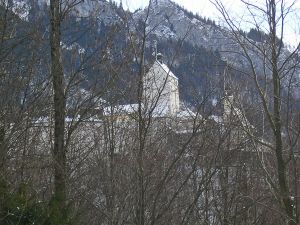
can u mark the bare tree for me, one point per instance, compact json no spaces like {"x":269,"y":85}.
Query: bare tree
{"x":272,"y":82}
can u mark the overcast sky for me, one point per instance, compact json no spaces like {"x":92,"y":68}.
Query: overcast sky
{"x":206,"y":9}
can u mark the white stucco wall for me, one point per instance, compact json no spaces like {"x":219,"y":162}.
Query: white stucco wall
{"x":161,"y":90}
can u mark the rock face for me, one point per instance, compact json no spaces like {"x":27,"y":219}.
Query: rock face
{"x":170,"y":21}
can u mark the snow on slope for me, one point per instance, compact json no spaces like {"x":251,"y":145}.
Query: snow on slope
{"x":87,"y":8}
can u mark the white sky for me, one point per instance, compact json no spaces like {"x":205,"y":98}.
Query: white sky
{"x":206,"y":9}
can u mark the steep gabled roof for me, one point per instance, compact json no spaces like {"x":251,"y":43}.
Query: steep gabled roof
{"x":166,"y":69}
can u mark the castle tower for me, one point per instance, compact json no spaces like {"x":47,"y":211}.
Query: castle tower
{"x":161,"y":92}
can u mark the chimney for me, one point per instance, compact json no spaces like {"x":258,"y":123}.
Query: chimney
{"x":159,"y":57}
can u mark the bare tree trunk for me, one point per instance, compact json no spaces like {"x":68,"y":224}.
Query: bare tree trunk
{"x":274,"y":14}
{"x":59,"y":153}
{"x":3,"y":152}
{"x":281,"y":165}
{"x":142,"y":130}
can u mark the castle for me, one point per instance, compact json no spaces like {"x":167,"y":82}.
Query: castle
{"x":160,"y":95}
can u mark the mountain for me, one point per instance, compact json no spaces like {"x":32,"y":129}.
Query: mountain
{"x":169,"y":22}
{"x":195,"y":48}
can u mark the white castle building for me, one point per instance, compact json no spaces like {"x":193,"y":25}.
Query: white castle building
{"x":160,"y":95}
{"x":161,"y":89}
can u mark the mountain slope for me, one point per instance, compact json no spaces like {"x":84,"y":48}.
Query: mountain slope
{"x":196,"y":48}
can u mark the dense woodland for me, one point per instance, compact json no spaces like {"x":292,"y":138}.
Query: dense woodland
{"x":68,"y":157}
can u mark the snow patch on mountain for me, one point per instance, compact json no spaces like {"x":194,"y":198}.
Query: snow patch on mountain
{"x":101,"y":9}
{"x":20,"y":8}
{"x":74,"y":46}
